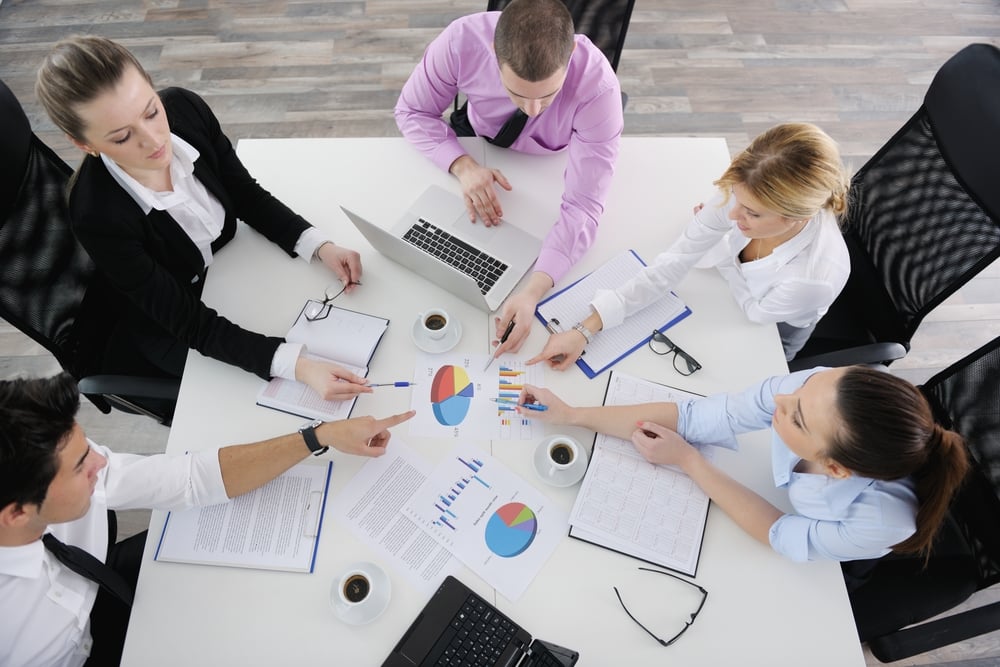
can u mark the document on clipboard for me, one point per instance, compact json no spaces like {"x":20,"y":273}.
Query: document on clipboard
{"x":345,"y":337}
{"x":572,"y":304}
{"x":275,"y":527}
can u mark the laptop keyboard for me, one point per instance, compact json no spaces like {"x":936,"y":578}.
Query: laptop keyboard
{"x":476,"y":637}
{"x":482,"y":268}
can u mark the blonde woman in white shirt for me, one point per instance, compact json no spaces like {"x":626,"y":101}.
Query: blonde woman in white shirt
{"x":772,"y":233}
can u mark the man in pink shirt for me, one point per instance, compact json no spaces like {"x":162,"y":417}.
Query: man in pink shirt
{"x":525,"y":59}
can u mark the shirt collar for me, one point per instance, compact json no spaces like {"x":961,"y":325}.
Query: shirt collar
{"x":181,"y":167}
{"x":22,"y":561}
{"x":836,"y":494}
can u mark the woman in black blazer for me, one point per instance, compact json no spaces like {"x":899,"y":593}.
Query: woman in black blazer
{"x":157,"y":195}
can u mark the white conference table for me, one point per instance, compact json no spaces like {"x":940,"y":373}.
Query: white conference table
{"x":761,"y":609}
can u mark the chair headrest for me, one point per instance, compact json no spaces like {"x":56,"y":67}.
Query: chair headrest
{"x":15,"y":143}
{"x":963,"y":104}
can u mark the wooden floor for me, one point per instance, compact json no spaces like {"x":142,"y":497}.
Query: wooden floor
{"x":731,"y":68}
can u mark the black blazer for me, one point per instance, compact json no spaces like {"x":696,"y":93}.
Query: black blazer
{"x":154,"y":265}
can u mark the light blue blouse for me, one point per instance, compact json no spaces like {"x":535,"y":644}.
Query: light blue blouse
{"x":835,"y":519}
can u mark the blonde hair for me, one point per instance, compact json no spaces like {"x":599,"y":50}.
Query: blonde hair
{"x":76,"y":71}
{"x":793,"y":169}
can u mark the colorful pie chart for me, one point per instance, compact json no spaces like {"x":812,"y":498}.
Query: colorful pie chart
{"x":451,"y":395}
{"x":511,"y":530}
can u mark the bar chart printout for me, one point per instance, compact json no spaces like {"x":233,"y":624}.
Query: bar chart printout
{"x":496,"y":523}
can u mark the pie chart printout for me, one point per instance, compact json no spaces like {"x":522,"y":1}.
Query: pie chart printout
{"x":451,"y":395}
{"x":511,"y":530}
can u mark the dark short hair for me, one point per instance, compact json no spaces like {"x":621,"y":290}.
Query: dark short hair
{"x":534,"y":38}
{"x":36,"y":419}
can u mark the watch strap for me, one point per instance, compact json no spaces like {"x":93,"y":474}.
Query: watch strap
{"x":587,"y":333}
{"x":312,"y":442}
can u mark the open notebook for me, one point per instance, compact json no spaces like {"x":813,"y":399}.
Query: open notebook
{"x":345,"y":337}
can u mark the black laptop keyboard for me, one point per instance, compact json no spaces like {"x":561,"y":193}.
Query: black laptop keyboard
{"x":477,"y":636}
{"x":482,"y":268}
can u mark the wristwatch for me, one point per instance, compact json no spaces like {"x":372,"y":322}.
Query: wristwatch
{"x":587,"y":333}
{"x":308,"y":432}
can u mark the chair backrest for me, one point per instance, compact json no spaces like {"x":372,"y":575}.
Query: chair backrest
{"x":966,"y":398}
{"x":925,"y":213}
{"x":44,"y":272}
{"x":605,"y":22}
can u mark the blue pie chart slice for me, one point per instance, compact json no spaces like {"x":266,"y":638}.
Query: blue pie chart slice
{"x":511,"y":530}
{"x":451,"y":395}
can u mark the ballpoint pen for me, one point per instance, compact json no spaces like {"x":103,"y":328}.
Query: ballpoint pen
{"x":538,"y":407}
{"x":394,"y":384}
{"x":503,"y":339}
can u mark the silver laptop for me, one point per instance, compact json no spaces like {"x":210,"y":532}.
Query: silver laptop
{"x":435,"y":239}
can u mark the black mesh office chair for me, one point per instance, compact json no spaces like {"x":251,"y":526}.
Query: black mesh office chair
{"x":966,"y":555}
{"x":45,"y":274}
{"x":924,"y":217}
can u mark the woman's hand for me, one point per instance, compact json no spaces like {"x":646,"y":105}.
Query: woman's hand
{"x":557,"y":411}
{"x":477,"y":189}
{"x":659,"y":444}
{"x":561,"y":350}
{"x":361,"y":436}
{"x":345,"y":264}
{"x":332,"y":382}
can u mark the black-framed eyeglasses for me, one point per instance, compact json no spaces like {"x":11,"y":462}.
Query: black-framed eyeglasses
{"x":320,"y":310}
{"x":661,"y":345}
{"x":687,"y":624}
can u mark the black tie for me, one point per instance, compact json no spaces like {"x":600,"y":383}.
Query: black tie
{"x":84,"y":564}
{"x":511,"y":130}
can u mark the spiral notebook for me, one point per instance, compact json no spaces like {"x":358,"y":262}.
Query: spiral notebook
{"x":572,"y":304}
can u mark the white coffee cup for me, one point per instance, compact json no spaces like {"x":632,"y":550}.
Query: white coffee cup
{"x":560,"y":460}
{"x":360,"y":594}
{"x":434,"y":323}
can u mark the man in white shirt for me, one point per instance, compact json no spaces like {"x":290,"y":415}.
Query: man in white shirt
{"x":54,"y":480}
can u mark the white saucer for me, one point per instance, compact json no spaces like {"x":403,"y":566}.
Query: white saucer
{"x":440,"y":345}
{"x":561,"y":478}
{"x":370,"y":608}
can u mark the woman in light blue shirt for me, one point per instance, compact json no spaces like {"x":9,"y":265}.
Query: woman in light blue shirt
{"x":867,"y":469}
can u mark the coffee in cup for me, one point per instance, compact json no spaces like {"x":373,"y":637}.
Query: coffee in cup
{"x":560,"y":460}
{"x":355,"y":587}
{"x":434,"y":323}
{"x":562,"y":453}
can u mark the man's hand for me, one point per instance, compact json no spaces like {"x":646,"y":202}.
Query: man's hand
{"x":361,"y":436}
{"x":345,"y":264}
{"x":561,"y":350}
{"x":520,"y":307}
{"x":477,"y":189}
{"x":332,"y":382}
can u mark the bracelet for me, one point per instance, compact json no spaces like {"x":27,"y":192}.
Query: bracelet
{"x":587,"y":333}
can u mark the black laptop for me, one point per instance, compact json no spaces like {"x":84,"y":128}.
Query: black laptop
{"x":458,"y":628}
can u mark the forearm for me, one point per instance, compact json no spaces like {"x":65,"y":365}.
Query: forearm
{"x":621,"y":421}
{"x":750,"y":512}
{"x":248,"y":467}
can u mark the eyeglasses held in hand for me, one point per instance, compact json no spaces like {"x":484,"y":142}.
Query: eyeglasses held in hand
{"x":688,"y":624}
{"x":316,"y":310}
{"x":661,"y":345}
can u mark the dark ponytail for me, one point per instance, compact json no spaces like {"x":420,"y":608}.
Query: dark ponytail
{"x":888,"y":433}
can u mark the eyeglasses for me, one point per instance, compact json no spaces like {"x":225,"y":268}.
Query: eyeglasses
{"x":661,"y":345}
{"x":316,"y":310}
{"x":688,"y":624}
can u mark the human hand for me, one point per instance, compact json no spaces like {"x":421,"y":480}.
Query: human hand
{"x":659,"y":444}
{"x":557,"y":411}
{"x":561,"y":350}
{"x":332,"y":382}
{"x":345,"y":264}
{"x":477,"y":189}
{"x":361,"y":436}
{"x":520,"y":308}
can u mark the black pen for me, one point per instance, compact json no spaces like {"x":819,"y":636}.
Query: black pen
{"x":503,"y":339}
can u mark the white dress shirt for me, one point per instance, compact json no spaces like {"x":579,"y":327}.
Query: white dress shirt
{"x":795,"y":284}
{"x":200,"y":214}
{"x":834,"y":519}
{"x":45,"y":606}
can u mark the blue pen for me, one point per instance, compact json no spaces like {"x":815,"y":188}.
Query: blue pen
{"x":394,"y":384}
{"x":538,"y":407}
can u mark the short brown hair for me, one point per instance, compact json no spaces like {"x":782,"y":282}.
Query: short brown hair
{"x":534,"y":38}
{"x":76,"y":71}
